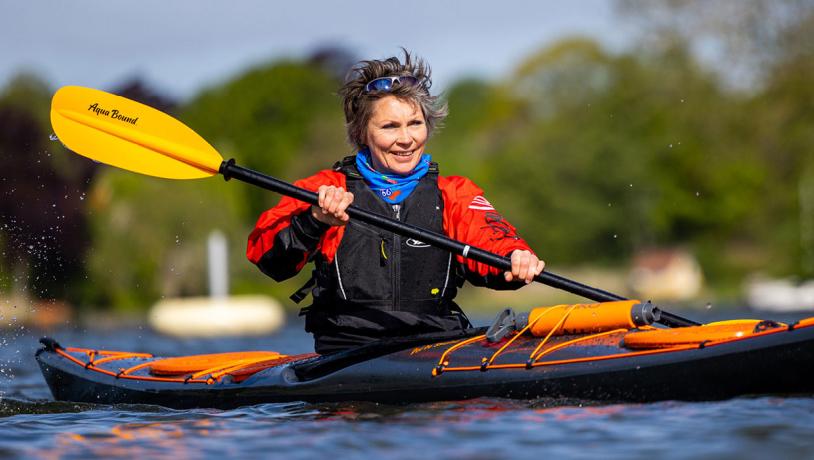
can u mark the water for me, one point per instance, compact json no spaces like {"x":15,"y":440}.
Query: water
{"x":33,"y":426}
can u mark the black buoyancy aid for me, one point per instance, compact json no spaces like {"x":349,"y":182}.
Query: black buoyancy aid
{"x":376,"y":273}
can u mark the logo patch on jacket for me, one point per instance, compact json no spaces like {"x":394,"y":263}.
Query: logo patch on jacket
{"x":481,"y":204}
{"x":499,"y":227}
{"x":413,"y":243}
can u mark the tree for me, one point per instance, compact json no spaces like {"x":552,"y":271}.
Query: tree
{"x":281,"y":118}
{"x":43,"y":226}
{"x":742,"y":39}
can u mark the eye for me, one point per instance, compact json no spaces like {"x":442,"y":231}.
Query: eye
{"x":416,"y":122}
{"x":390,"y":126}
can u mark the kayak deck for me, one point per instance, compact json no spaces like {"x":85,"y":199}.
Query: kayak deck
{"x":778,"y":359}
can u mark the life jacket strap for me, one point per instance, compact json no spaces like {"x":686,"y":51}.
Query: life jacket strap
{"x":302,"y":292}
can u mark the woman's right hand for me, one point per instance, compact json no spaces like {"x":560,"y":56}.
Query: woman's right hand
{"x":333,"y":201}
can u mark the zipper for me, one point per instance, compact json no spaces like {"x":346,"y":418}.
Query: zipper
{"x":396,"y":254}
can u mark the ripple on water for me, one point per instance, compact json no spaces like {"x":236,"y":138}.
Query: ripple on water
{"x":10,"y":407}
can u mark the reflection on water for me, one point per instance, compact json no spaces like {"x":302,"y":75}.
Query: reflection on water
{"x":131,"y":440}
{"x":34,"y":426}
{"x":97,"y":432}
{"x":486,"y":428}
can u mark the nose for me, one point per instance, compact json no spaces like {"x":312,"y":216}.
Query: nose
{"x":404,"y":138}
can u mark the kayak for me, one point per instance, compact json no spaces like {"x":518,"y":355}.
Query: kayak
{"x":623,"y":364}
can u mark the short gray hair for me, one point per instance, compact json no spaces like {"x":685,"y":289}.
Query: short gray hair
{"x":358,"y":104}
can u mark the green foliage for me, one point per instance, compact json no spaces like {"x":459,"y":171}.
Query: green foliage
{"x":42,"y":226}
{"x":283,"y":119}
{"x":786,"y":143}
{"x":593,"y":155}
{"x":150,"y":236}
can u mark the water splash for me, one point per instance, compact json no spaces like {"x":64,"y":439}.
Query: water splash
{"x":53,"y":137}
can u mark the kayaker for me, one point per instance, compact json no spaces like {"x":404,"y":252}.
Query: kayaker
{"x":368,"y":283}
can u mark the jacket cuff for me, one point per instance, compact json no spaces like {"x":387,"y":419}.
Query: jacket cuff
{"x":305,"y":225}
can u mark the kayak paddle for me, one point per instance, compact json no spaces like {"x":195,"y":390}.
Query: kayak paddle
{"x":117,"y":131}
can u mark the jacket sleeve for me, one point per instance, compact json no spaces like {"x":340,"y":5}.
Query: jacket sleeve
{"x":286,"y":236}
{"x":471,"y":219}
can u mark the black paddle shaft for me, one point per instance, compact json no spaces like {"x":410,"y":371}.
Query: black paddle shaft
{"x":230,"y":170}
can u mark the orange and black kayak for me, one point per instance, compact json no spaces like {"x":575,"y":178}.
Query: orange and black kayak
{"x":548,"y":353}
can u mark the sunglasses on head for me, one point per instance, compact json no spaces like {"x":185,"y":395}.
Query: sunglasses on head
{"x":386,"y":83}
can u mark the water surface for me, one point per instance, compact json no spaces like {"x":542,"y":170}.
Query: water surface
{"x":32,"y":425}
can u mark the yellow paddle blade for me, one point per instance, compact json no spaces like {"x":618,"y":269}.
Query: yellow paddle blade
{"x":117,"y":131}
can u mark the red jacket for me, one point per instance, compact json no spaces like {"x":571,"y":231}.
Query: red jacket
{"x":468,"y":217}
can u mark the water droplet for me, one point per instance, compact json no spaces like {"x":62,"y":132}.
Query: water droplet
{"x":697,"y":193}
{"x":708,"y":306}
{"x":53,"y":137}
{"x":615,"y":235}
{"x":671,"y":146}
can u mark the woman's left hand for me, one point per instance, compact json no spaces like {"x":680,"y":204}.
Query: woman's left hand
{"x":525,"y":266}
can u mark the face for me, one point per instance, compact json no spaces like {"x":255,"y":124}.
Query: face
{"x":396,"y":135}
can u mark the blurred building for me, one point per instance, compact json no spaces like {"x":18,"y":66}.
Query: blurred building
{"x":665,"y":274}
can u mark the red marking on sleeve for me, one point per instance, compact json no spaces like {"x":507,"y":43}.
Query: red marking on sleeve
{"x":485,"y":229}
{"x":272,"y":221}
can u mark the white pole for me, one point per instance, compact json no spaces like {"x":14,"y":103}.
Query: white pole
{"x":218,"y":265}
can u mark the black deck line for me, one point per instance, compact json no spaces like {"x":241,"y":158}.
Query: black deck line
{"x":324,"y":365}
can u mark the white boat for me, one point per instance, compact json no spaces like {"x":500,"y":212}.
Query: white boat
{"x":781,"y":295}
{"x":219,"y":314}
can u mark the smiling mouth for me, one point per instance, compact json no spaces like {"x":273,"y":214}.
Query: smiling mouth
{"x":403,"y":154}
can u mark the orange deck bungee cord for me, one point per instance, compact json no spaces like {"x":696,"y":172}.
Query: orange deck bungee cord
{"x":573,"y":341}
{"x":647,"y":340}
{"x":486,"y":363}
{"x":619,"y":315}
{"x":443,"y":362}
{"x":197,"y":363}
{"x":510,"y":341}
{"x":184,"y":369}
{"x":550,"y":333}
{"x":246,"y":371}
{"x":122,"y":374}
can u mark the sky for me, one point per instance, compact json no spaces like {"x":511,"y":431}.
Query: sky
{"x":182,"y":46}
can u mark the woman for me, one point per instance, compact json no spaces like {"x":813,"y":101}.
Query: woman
{"x":367,"y":283}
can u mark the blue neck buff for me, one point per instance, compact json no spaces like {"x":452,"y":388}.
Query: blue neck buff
{"x":392,"y":188}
